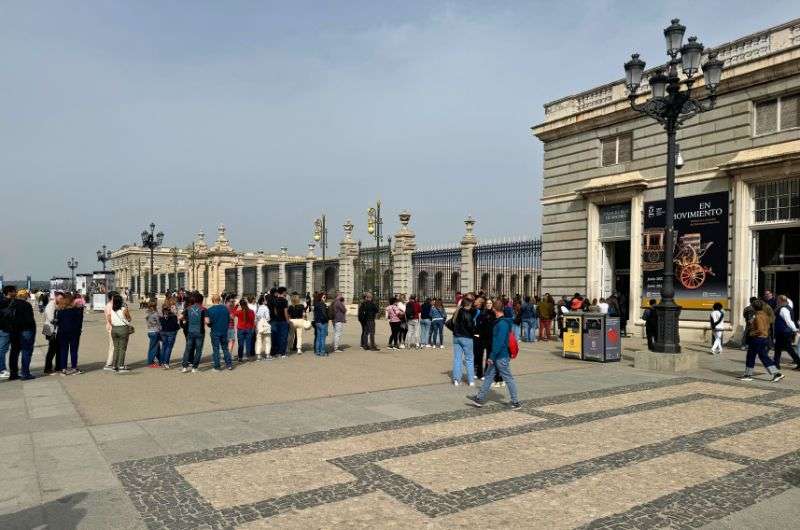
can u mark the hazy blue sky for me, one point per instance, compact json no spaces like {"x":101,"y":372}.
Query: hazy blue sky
{"x":262,"y":115}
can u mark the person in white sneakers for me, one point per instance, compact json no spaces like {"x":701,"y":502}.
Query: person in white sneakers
{"x":715,"y":319}
{"x":107,"y":312}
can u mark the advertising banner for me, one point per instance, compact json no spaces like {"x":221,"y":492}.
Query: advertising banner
{"x":700,"y":255}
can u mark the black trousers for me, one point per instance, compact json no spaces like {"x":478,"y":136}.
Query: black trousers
{"x":368,"y":334}
{"x":395,"y":336}
{"x":651,"y":337}
{"x":784,"y":343}
{"x":52,"y":353}
{"x":13,"y":356}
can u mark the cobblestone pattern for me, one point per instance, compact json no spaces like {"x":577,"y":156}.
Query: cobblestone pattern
{"x":166,"y":500}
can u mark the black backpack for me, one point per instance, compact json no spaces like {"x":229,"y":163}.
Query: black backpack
{"x":7,"y":316}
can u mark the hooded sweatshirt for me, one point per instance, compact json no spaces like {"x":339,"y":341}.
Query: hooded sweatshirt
{"x":502,"y":328}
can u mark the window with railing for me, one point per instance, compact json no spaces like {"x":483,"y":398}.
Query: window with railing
{"x":777,"y":114}
{"x":776,"y":201}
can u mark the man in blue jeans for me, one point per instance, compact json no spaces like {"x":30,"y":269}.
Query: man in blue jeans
{"x":500,"y":358}
{"x":218,"y":317}
{"x":195,"y":318}
{"x":530,"y":320}
{"x":6,"y":326}
{"x":425,"y":324}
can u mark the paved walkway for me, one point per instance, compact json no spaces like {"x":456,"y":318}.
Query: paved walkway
{"x":382,"y":440}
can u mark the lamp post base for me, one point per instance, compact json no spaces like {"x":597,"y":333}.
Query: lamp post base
{"x":667,"y":338}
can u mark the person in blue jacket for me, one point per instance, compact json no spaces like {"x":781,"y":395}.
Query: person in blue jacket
{"x":499,"y":358}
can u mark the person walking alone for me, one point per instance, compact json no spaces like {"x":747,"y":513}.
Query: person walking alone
{"x":500,"y":358}
{"x":120,"y":332}
{"x":715,"y":319}
{"x":339,"y":320}
{"x":367,"y":311}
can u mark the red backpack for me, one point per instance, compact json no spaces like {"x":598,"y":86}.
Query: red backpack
{"x":513,"y":345}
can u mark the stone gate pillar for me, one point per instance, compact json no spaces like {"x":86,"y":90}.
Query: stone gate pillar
{"x":468,"y":244}
{"x":348,"y":251}
{"x":404,"y":245}
{"x":310,"y":257}
{"x":284,"y":256}
{"x":260,"y":274}
{"x":239,"y":280}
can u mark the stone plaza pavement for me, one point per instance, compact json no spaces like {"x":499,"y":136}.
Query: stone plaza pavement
{"x":383,"y":440}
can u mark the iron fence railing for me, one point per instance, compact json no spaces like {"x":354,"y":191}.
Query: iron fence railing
{"x":437,"y":273}
{"x":368,"y":265}
{"x":508,"y":267}
{"x":326,"y":276}
{"x":296,"y":278}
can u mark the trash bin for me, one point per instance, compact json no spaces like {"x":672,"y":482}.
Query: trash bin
{"x":613,"y":335}
{"x":572,"y":335}
{"x":593,"y":339}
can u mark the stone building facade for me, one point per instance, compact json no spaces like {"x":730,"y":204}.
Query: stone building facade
{"x":737,"y":194}
{"x":507,"y":267}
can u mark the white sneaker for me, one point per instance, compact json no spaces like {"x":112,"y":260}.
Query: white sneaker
{"x":455,"y":383}
{"x":299,"y":351}
{"x":472,"y":383}
{"x":195,"y":370}
{"x":502,"y":383}
{"x":185,"y":370}
{"x":108,"y":367}
{"x":441,"y":347}
{"x":427,"y":345}
{"x":5,"y":374}
{"x":402,"y":346}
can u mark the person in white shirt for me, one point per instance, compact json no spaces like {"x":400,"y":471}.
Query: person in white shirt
{"x":716,"y":318}
{"x":603,"y":305}
{"x":785,"y":331}
{"x":263,"y":330}
{"x":107,"y":311}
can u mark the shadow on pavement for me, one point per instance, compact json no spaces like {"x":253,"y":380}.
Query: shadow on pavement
{"x":57,"y":514}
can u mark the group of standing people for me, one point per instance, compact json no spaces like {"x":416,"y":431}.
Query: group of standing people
{"x":770,"y":324}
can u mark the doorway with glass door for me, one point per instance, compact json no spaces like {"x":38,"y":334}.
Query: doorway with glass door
{"x":778,"y":257}
{"x":615,"y":258}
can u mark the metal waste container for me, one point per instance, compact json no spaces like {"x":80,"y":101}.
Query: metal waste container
{"x":572,"y":335}
{"x":601,"y":339}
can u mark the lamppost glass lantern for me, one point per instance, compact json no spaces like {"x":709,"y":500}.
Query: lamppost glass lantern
{"x":712,"y":71}
{"x":691,"y":52}
{"x":658,"y":84}
{"x":674,"y":36}
{"x":633,"y":73}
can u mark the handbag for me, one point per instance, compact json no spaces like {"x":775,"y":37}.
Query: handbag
{"x":131,"y":329}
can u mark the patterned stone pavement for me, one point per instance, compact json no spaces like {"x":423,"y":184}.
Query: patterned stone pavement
{"x":681,"y":452}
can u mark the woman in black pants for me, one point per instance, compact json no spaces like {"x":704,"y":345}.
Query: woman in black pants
{"x":395,"y":316}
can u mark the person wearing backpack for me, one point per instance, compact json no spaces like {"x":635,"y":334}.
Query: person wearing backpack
{"x":504,"y":346}
{"x":7,"y":307}
{"x":195,"y":318}
{"x":715,"y":319}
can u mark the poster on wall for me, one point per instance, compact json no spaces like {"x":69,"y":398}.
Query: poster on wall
{"x":700,"y":255}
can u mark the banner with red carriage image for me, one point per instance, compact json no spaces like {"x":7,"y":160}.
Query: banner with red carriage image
{"x":700,"y":255}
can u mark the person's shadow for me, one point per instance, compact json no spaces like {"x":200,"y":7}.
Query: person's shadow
{"x":58,"y":514}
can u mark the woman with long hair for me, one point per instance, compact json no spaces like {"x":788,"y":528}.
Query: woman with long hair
{"x":169,"y":329}
{"x":320,"y":324}
{"x":297,"y":323}
{"x":153,"y":322}
{"x":120,"y":332}
{"x":245,"y":324}
{"x":395,"y":317}
{"x":463,"y":328}
{"x":70,"y":326}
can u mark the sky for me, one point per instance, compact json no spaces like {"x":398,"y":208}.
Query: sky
{"x":264,"y":115}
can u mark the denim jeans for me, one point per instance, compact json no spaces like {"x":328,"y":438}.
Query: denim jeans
{"x":68,"y":347}
{"x":154,"y":348}
{"x":501,"y":366}
{"x":368,"y":334}
{"x":220,"y":342}
{"x":437,"y":332}
{"x":167,"y":343}
{"x":462,"y":351}
{"x":338,"y":329}
{"x":517,"y":331}
{"x":26,"y":339}
{"x":5,"y":344}
{"x":757,"y":346}
{"x":245,"y":339}
{"x":194,"y":350}
{"x":424,"y":331}
{"x":319,"y":341}
{"x":280,"y":336}
{"x":529,"y":326}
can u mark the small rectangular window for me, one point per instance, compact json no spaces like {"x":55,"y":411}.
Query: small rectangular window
{"x":767,"y":116}
{"x":789,"y":115}
{"x":616,"y":149}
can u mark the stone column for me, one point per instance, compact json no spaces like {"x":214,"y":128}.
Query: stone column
{"x":260,"y":273}
{"x":635,"y":283}
{"x":284,"y":256}
{"x":404,"y":246}
{"x":348,"y":251}
{"x":239,"y":280}
{"x":310,"y":257}
{"x":468,"y":244}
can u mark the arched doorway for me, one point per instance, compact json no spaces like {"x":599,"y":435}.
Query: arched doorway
{"x":422,"y":284}
{"x":527,"y":287}
{"x":498,"y":285}
{"x":485,"y":283}
{"x":438,"y":284}
{"x":513,"y":286}
{"x":455,"y":285}
{"x":331,"y":281}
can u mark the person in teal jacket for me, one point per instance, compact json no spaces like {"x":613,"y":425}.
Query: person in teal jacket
{"x":500,"y":357}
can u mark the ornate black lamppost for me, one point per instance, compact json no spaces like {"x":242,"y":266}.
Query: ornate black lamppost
{"x":321,"y":237}
{"x":375,"y":229}
{"x":671,"y":104}
{"x":103,"y":256}
{"x":72,"y":263}
{"x":152,"y":241}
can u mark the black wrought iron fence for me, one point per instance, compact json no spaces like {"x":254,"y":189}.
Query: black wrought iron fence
{"x":326,"y":276}
{"x":296,"y":278}
{"x":271,"y":276}
{"x":509,"y":267}
{"x":373,"y":273}
{"x":437,"y":272}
